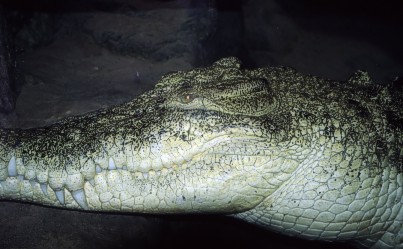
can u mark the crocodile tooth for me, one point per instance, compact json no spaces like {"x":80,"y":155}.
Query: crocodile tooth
{"x":79,"y":197}
{"x":98,"y":169}
{"x":44,"y":188}
{"x":92,"y":182}
{"x":145,"y":175}
{"x":112,"y":165}
{"x":12,"y":168}
{"x":60,"y":196}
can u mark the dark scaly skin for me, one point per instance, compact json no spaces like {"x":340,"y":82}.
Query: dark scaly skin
{"x":297,"y":154}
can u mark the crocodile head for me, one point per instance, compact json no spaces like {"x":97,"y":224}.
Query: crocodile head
{"x":199,"y":142}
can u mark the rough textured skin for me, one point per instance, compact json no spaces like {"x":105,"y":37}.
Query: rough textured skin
{"x":297,"y":154}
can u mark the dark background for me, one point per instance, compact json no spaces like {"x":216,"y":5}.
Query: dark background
{"x":72,"y":57}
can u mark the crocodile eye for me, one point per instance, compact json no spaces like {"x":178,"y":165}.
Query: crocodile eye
{"x":187,"y":98}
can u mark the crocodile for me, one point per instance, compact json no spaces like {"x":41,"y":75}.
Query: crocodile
{"x":294,"y":153}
